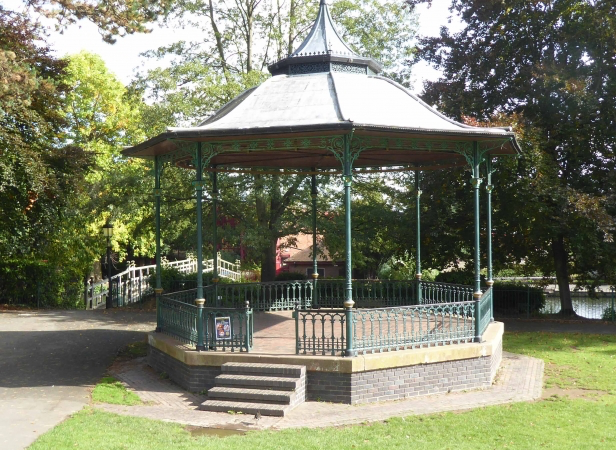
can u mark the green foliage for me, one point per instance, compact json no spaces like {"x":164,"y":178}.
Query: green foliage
{"x":110,"y":390}
{"x":383,"y":30}
{"x":39,"y":283}
{"x":172,"y":280}
{"x":113,"y":17}
{"x":289,"y":276}
{"x":458,"y":276}
{"x":404,"y":268}
{"x":517,"y":298}
{"x":609,"y":314}
{"x":553,"y":205}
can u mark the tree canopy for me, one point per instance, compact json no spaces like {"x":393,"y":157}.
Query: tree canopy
{"x":549,"y":68}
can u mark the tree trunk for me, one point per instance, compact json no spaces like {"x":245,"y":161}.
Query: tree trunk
{"x":268,"y":261}
{"x":562,"y":275}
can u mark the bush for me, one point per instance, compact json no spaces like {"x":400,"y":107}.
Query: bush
{"x":464,"y":277}
{"x":290,"y":276}
{"x":608,"y":314}
{"x":38,"y":283}
{"x":172,"y":280}
{"x":517,"y":298}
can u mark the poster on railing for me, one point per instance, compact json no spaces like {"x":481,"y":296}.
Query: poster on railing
{"x":223,"y":328}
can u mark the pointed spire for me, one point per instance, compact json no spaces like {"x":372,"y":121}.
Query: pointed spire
{"x":323,"y":50}
{"x":323,"y":38}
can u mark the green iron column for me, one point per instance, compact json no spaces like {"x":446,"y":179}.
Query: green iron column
{"x":489,"y":188}
{"x":157,"y":193}
{"x":215,"y":233}
{"x":477,"y":285}
{"x":200,"y":300}
{"x":348,"y":303}
{"x":315,"y":273}
{"x":418,"y":245}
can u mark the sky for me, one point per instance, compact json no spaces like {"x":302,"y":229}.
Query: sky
{"x":123,"y":58}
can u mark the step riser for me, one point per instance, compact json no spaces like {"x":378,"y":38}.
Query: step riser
{"x":239,"y":381}
{"x":250,"y":398}
{"x":266,"y":370}
{"x":247,"y":411}
{"x":240,"y":387}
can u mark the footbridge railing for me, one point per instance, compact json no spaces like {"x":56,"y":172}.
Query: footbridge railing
{"x":131,"y":285}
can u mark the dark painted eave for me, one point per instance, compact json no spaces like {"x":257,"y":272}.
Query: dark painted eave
{"x":156,"y":144}
{"x":164,"y":142}
{"x":281,"y":67}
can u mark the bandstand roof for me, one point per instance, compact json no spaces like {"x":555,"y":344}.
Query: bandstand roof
{"x":321,"y":91}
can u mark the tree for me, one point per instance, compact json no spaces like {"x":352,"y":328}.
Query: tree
{"x":112,"y":17}
{"x":549,"y":66}
{"x":41,"y":175}
{"x":38,"y":173}
{"x":240,"y":39}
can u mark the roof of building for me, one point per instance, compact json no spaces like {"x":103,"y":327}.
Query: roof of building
{"x":305,"y":255}
{"x":322,"y":90}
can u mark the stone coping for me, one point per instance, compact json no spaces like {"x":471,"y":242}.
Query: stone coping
{"x":491,"y":340}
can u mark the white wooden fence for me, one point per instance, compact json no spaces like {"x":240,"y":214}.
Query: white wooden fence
{"x":132,"y":285}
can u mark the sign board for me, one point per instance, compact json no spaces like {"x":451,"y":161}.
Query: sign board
{"x":223,"y":328}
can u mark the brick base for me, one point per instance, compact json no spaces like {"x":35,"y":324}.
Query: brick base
{"x":190,"y":378}
{"x":357,"y":386}
{"x":403,"y":382}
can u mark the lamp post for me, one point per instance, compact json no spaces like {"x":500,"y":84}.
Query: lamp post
{"x":108,"y":232}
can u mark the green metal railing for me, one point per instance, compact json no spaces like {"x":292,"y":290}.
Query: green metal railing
{"x":526,"y":298}
{"x":486,"y":314}
{"x":333,"y":331}
{"x":179,"y":317}
{"x":407,"y":327}
{"x":320,"y":332}
{"x":385,"y":329}
{"x":366,"y":293}
{"x":432,"y":292}
{"x":271,"y":296}
{"x":242,"y":329}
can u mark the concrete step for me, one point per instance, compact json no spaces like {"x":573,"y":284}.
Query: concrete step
{"x":256,"y":382}
{"x":244,"y":407}
{"x":252,"y":395}
{"x":280,"y":370}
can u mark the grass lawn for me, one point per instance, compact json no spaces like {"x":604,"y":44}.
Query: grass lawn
{"x":581,"y":365}
{"x":110,"y":390}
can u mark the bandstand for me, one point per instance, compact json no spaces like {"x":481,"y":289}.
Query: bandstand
{"x":325,"y":110}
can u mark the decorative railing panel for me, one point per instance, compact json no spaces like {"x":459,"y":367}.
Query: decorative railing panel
{"x":400,"y":328}
{"x":320,"y":332}
{"x":432,"y":292}
{"x":178,"y":319}
{"x":241,"y":323}
{"x":366,"y":293}
{"x":272,"y":296}
{"x":485,"y":310}
{"x":179,"y":316}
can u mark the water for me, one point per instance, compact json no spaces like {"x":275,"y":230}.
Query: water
{"x":589,"y":308}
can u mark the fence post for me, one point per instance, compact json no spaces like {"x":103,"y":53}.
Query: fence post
{"x":477,"y":319}
{"x":613,"y":312}
{"x":200,"y":344}
{"x":248,"y":330}
{"x":158,"y":292}
{"x":348,"y":305}
{"x":528,"y":300}
{"x":297,"y":346}
{"x":85,"y":292}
